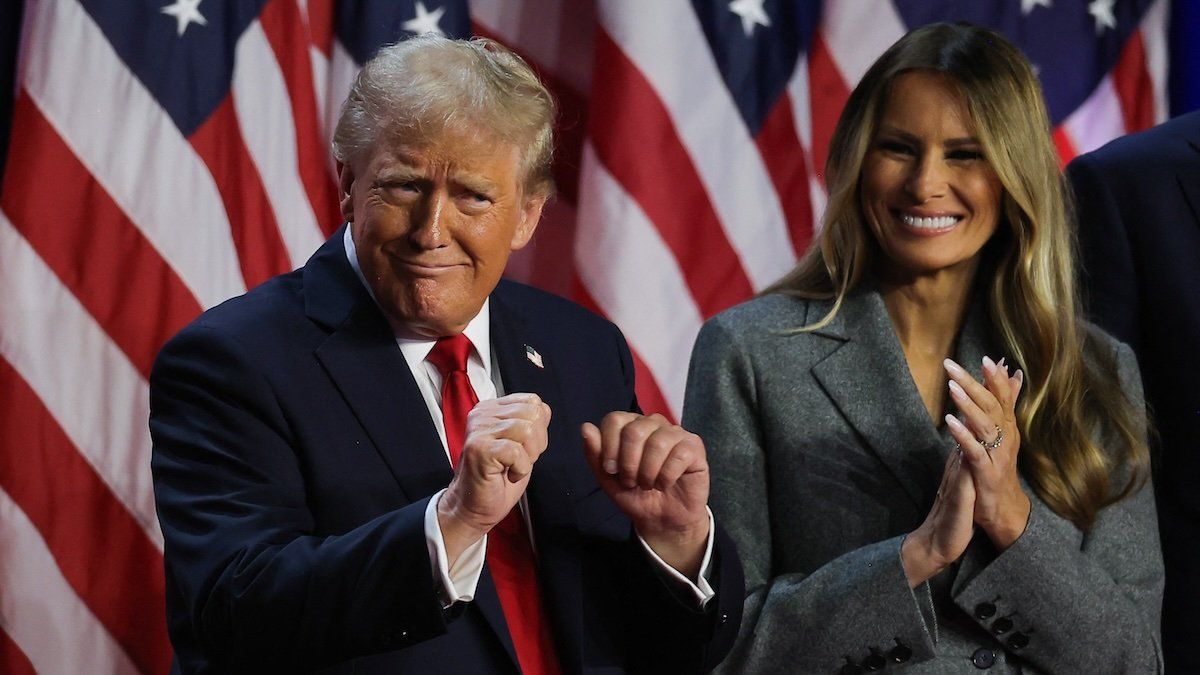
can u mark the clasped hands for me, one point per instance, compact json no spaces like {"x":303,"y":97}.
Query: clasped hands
{"x":980,"y":485}
{"x":654,"y":471}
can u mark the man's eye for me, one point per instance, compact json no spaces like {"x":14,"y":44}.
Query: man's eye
{"x":400,"y":186}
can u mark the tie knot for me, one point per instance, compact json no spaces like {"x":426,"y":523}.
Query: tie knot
{"x":450,"y":354}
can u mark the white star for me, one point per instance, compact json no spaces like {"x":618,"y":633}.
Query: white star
{"x":752,"y":13}
{"x":425,"y":21}
{"x":186,"y":12}
{"x":1102,"y":10}
{"x":1028,"y":5}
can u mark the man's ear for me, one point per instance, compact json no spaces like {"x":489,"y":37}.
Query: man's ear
{"x":531,"y":215}
{"x":345,"y":185}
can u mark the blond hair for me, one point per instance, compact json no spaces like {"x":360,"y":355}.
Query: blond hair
{"x":1068,"y":404}
{"x":416,"y":89}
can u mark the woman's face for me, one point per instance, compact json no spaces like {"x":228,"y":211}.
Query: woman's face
{"x":929,"y":195}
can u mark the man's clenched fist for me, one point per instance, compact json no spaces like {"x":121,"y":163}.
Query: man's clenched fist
{"x":505,"y":437}
{"x":657,"y":474}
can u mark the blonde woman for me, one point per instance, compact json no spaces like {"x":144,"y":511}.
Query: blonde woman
{"x":928,"y":460}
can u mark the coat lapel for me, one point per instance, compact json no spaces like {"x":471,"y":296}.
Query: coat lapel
{"x":1189,"y":182}
{"x":361,"y":357}
{"x":868,"y":380}
{"x":552,"y":492}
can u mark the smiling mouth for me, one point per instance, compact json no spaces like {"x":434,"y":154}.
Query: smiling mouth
{"x":929,"y":224}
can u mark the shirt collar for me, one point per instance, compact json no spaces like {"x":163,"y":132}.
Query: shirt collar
{"x":478,"y":330}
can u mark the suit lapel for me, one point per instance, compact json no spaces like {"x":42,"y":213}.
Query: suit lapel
{"x":361,"y":357}
{"x":868,"y":380}
{"x":1189,"y":182}
{"x":552,"y":492}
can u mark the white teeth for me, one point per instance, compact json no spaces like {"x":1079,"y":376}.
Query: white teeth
{"x":938,"y":223}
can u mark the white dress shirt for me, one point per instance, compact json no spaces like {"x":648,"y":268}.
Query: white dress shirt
{"x":457,"y":583}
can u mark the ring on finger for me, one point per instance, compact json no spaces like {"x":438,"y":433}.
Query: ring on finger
{"x":995,"y":443}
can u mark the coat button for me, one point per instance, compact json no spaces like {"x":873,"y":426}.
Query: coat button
{"x":874,"y":662}
{"x":900,"y":653}
{"x":1018,"y":641}
{"x":985,"y":610}
{"x":1002,"y":625}
{"x":983,"y":658}
{"x":723,"y":620}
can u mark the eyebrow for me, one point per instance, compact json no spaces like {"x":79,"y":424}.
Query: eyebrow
{"x":399,"y":173}
{"x":473,"y":180}
{"x":905,"y":136}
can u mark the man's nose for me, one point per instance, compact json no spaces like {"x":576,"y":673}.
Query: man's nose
{"x":928,"y":179}
{"x":430,"y":222}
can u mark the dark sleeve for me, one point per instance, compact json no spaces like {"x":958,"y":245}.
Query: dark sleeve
{"x":669,"y":634}
{"x":249,"y":581}
{"x":1108,"y":278}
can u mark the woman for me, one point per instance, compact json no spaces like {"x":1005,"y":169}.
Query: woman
{"x":927,"y":458}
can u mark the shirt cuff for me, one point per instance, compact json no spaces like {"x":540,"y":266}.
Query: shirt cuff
{"x":454,"y":584}
{"x":701,"y":590}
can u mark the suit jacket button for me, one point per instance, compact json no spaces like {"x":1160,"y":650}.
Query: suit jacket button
{"x":1002,"y":625}
{"x":983,"y":658}
{"x":874,"y":662}
{"x":1018,"y":641}
{"x":900,"y":653}
{"x":985,"y":610}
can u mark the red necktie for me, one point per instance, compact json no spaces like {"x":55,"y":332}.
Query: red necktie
{"x":509,"y":553}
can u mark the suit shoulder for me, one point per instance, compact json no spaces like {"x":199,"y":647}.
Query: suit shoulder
{"x":264,"y":314}
{"x":763,"y":315}
{"x":1107,"y":352}
{"x":1134,"y":153}
{"x":541,"y":304}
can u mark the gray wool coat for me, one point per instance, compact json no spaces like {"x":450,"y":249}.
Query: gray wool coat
{"x":823,"y":457}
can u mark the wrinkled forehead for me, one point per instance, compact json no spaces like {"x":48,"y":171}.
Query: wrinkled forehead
{"x":460,"y":151}
{"x":458,"y":144}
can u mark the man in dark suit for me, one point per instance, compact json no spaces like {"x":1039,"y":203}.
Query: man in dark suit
{"x":1138,"y":202}
{"x":342,"y":480}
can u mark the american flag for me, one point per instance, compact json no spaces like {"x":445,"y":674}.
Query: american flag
{"x":168,"y":154}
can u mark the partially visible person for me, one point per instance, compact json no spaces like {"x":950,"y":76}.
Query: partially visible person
{"x":928,"y":459}
{"x":393,"y":461}
{"x":1138,"y":204}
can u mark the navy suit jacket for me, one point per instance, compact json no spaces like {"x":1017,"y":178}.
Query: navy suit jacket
{"x":1138,"y":201}
{"x":293,"y":461}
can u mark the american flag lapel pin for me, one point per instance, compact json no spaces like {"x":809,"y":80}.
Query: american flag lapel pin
{"x":534,"y":357}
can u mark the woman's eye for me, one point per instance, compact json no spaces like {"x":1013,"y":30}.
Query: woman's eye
{"x":895,"y":147}
{"x":964,"y":155}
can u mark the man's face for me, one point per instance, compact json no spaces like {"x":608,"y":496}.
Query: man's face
{"x":434,"y":225}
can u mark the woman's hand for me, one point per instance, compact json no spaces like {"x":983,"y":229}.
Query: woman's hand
{"x":990,"y":440}
{"x":948,"y":528}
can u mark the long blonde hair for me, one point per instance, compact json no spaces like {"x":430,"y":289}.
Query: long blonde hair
{"x":1067,"y":403}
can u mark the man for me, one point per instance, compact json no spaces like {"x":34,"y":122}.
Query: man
{"x":387,"y":460}
{"x":1138,"y":201}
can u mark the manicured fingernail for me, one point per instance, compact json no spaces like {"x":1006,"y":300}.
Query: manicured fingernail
{"x":953,"y":422}
{"x":1020,"y":375}
{"x":988,"y":364}
{"x":953,"y":368}
{"x":610,"y":467}
{"x":957,"y":391}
